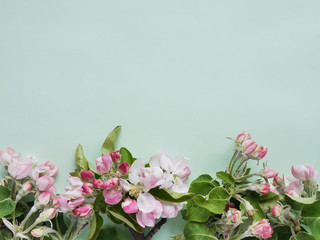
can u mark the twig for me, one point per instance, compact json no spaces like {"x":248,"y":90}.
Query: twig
{"x":153,"y":231}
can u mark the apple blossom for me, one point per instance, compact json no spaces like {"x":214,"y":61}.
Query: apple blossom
{"x":97,"y":183}
{"x":249,"y":146}
{"x":124,"y":168}
{"x":110,"y":183}
{"x":19,"y":169}
{"x":47,"y":168}
{"x":83,"y":211}
{"x":44,"y":198}
{"x":86,"y":175}
{"x":115,"y":156}
{"x":44,"y":183}
{"x":234,"y":215}
{"x":74,"y":187}
{"x":261,"y":228}
{"x":276,"y":210}
{"x":112,"y":196}
{"x":269,"y":173}
{"x":7,"y":155}
{"x":129,"y":206}
{"x":243,"y":137}
{"x":87,"y":188}
{"x":305,"y":172}
{"x":104,"y":164}
{"x":260,"y":153}
{"x":47,"y":214}
{"x":264,"y":189}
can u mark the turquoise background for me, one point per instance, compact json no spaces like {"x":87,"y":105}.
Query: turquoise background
{"x":180,"y":75}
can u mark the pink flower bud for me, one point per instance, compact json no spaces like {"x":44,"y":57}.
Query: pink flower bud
{"x":44,"y":183}
{"x":44,"y":198}
{"x":270,"y":173}
{"x":184,"y":174}
{"x":249,"y":146}
{"x":83,"y":211}
{"x":262,"y":228}
{"x":97,"y":183}
{"x":124,"y":168}
{"x":87,"y":188}
{"x":86,"y":175}
{"x":27,"y":186}
{"x":233,"y":215}
{"x":48,"y":214}
{"x":55,"y":202}
{"x":129,"y":206}
{"x":292,"y":193}
{"x":115,"y":156}
{"x":38,"y":232}
{"x":104,"y":164}
{"x":276,"y":210}
{"x":109,"y":184}
{"x":249,"y":208}
{"x":305,"y":172}
{"x":243,"y":137}
{"x":264,"y":189}
{"x":260,"y":153}
{"x":277,"y":181}
{"x":112,"y":196}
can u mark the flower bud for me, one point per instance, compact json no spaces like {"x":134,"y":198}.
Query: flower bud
{"x":276,"y":210}
{"x":44,"y":198}
{"x":269,"y":173}
{"x":124,"y":168}
{"x":86,"y":175}
{"x":47,"y":214}
{"x":38,"y":232}
{"x":260,"y":153}
{"x":97,"y":183}
{"x":8,"y":154}
{"x":292,"y":193}
{"x":44,"y":183}
{"x":83,"y":211}
{"x":129,"y":206}
{"x":104,"y":164}
{"x":249,"y":146}
{"x":264,"y":189}
{"x":27,"y":186}
{"x":109,"y":184}
{"x":87,"y":188}
{"x":233,"y":215}
{"x":277,"y":181}
{"x":112,"y":196}
{"x":115,"y":156}
{"x":243,"y":137}
{"x":249,"y":208}
{"x":261,"y":228}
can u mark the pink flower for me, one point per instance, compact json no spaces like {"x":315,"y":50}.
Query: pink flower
{"x":233,"y":215}
{"x":305,"y":172}
{"x":262,"y":228}
{"x":75,"y":202}
{"x":97,"y":183}
{"x":249,"y":146}
{"x":249,"y":208}
{"x":129,"y":206}
{"x":112,"y":196}
{"x":276,"y":210}
{"x":111,"y":183}
{"x":7,"y":155}
{"x":170,"y":210}
{"x":145,"y":219}
{"x":19,"y":169}
{"x":104,"y":164}
{"x":184,"y":174}
{"x":86,"y":175}
{"x":269,"y":173}
{"x":260,"y":153}
{"x":26,"y":186}
{"x":44,"y":198}
{"x":264,"y":189}
{"x":151,"y":178}
{"x":115,"y":156}
{"x":83,"y":211}
{"x":292,"y":193}
{"x":243,"y":137}
{"x":87,"y":188}
{"x":295,"y":186}
{"x":74,"y":187}
{"x":44,"y":183}
{"x":47,"y":168}
{"x":124,"y":168}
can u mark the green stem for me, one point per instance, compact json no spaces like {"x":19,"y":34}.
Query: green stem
{"x":58,"y":225}
{"x":32,"y":211}
{"x":67,"y":237}
{"x":244,"y":177}
{"x":233,"y":161}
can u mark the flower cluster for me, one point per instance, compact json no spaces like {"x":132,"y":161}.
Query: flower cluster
{"x":24,"y":178}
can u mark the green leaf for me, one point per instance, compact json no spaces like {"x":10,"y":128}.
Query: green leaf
{"x":226,"y":178}
{"x":128,"y":219}
{"x":304,"y":236}
{"x":199,"y":231}
{"x":195,"y":213}
{"x":126,"y":156}
{"x":268,"y":201}
{"x":95,"y":226}
{"x":5,"y":234}
{"x":4,"y":193}
{"x":215,"y":201}
{"x":81,"y":160}
{"x":6,"y":207}
{"x":258,"y":212}
{"x":283,"y":233}
{"x":203,"y":178}
{"x":202,"y":188}
{"x":62,"y":225}
{"x":109,"y":144}
{"x":310,"y":206}
{"x":170,"y":196}
{"x":100,"y":204}
{"x":314,"y":226}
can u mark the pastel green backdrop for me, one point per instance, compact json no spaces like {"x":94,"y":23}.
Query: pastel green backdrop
{"x":180,"y":75}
